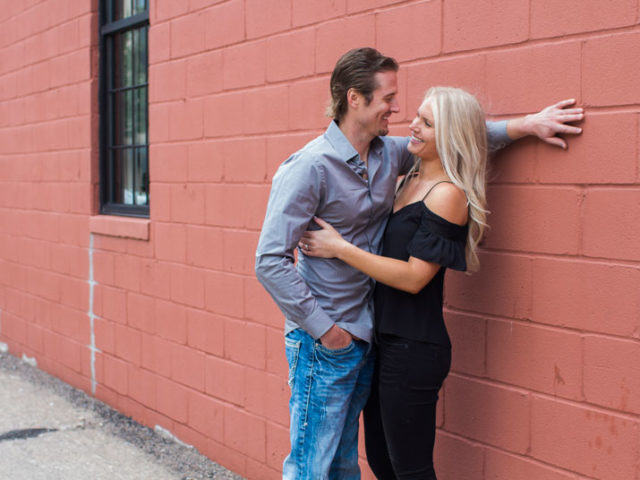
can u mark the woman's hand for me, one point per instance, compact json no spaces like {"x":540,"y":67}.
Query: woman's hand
{"x":325,"y":243}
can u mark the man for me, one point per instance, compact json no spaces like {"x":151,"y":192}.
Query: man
{"x":346,"y":176}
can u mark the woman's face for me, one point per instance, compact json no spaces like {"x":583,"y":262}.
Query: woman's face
{"x":423,"y":133}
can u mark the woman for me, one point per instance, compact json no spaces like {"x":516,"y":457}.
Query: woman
{"x":437,"y":221}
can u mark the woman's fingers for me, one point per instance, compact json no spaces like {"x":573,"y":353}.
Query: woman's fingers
{"x":321,"y":222}
{"x":304,"y":245}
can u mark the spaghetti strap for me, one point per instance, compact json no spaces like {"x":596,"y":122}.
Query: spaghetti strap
{"x":404,"y":180}
{"x":434,"y":186}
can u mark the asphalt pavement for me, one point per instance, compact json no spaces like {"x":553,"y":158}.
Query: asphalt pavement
{"x":52,"y":431}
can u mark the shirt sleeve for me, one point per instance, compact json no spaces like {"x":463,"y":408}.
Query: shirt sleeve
{"x":440,"y":242}
{"x":497,"y":136}
{"x":406,"y":157}
{"x":399,"y":154}
{"x":295,"y":195}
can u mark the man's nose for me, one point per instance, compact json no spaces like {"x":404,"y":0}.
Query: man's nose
{"x":395,"y":107}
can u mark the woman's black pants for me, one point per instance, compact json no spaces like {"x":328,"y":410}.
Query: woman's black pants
{"x":400,"y":416}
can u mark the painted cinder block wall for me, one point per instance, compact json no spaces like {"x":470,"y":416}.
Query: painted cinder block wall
{"x":164,"y":319}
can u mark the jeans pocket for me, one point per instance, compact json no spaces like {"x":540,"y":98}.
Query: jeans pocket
{"x":338,"y":351}
{"x":292,"y":351}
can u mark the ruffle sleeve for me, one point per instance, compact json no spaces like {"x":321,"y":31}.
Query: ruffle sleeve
{"x":439,"y":241}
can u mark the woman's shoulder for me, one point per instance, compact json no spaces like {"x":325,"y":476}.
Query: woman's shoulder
{"x":449,"y":202}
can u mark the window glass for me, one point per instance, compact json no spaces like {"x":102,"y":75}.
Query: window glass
{"x":120,"y":9}
{"x":126,"y":8}
{"x":141,"y":176}
{"x":140,"y":116}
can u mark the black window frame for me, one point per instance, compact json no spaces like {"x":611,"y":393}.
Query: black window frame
{"x":109,"y":28}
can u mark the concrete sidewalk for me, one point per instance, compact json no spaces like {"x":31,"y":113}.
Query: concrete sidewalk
{"x":51,"y":431}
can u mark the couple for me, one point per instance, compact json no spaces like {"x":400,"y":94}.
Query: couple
{"x":344,"y":182}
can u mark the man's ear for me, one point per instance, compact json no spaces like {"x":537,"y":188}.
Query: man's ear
{"x":354,"y":98}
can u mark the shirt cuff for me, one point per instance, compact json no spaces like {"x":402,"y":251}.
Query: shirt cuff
{"x":497,"y":135}
{"x":316,"y":324}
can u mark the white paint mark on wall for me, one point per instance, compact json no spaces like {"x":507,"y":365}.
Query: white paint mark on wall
{"x":163,"y":432}
{"x":92,"y":317}
{"x":29,"y":360}
{"x":4,"y":348}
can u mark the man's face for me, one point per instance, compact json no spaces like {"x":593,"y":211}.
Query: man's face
{"x":374,"y":118}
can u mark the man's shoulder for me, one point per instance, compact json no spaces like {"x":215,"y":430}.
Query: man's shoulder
{"x":312,"y":152}
{"x":391,"y":141}
{"x":396,"y":148}
{"x":316,"y":146}
{"x":305,"y":163}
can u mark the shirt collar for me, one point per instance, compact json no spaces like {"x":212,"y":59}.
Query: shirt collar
{"x":339,"y":142}
{"x":342,"y":146}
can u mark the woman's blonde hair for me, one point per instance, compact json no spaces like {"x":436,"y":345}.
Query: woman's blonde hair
{"x":461,"y":141}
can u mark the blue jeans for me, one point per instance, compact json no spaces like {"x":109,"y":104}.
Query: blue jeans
{"x":329,"y":388}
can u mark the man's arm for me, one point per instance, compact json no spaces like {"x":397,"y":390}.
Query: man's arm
{"x":548,"y":123}
{"x":294,"y":198}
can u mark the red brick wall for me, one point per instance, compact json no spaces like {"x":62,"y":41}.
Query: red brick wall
{"x":47,"y":158}
{"x":545,"y":380}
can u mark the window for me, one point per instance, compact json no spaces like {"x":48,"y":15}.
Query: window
{"x":124,"y":126}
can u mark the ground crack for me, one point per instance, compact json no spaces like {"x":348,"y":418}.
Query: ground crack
{"x":25,"y":433}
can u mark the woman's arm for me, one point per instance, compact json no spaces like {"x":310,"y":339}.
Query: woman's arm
{"x":409,"y":276}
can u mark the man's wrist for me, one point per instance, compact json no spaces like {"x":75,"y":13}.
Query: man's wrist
{"x":528,"y":125}
{"x":336,"y":337}
{"x":521,"y":127}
